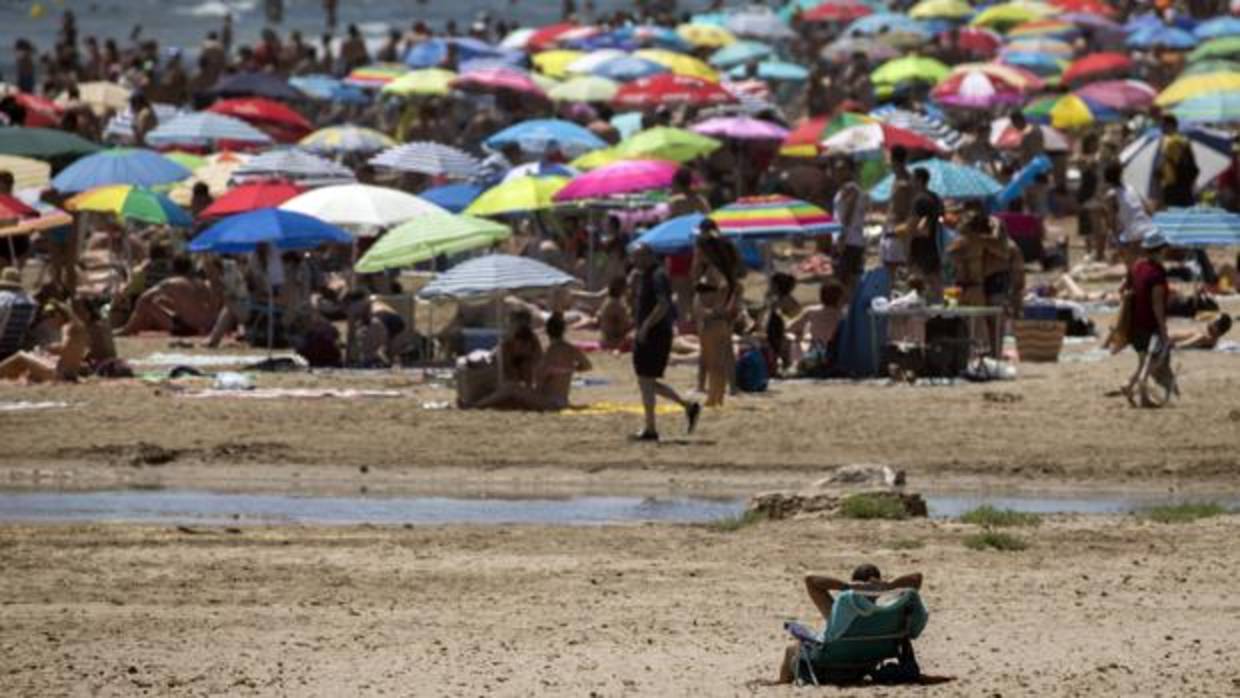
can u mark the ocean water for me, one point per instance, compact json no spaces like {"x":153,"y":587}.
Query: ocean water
{"x":183,"y":23}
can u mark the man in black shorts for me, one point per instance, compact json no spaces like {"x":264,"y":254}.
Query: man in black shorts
{"x":656,"y":319}
{"x":923,"y":251}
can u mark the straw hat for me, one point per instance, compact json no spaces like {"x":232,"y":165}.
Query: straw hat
{"x":11,"y":279}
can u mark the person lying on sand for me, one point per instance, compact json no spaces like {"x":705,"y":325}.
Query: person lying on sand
{"x":1205,"y":338}
{"x":819,"y":588}
{"x":58,"y":361}
{"x":553,"y":376}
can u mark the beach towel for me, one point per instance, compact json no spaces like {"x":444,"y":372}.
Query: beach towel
{"x":603,"y":408}
{"x":857,"y":355}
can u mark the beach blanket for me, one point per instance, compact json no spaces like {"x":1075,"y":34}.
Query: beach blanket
{"x":296,"y":393}
{"x":601,"y":408}
{"x":203,"y":360}
{"x":26,"y":406}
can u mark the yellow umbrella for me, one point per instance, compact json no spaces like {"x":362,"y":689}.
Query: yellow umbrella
{"x":588,"y":88}
{"x":941,"y":9}
{"x":706,"y":35}
{"x":1071,"y":112}
{"x":27,"y":173}
{"x":517,"y":195}
{"x":596,"y":159}
{"x":430,"y":81}
{"x":666,"y":143}
{"x":1197,"y":85}
{"x":1009,"y":14}
{"x":555,"y":63}
{"x":679,"y":63}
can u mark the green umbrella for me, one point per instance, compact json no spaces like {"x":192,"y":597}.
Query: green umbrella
{"x":44,"y":143}
{"x":665,"y":143}
{"x":910,"y":69}
{"x":1222,"y":47}
{"x":1213,"y":65}
{"x":428,"y":236}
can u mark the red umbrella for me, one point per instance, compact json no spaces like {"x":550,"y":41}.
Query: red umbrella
{"x":1096,"y":65}
{"x":548,"y":35}
{"x":40,"y":111}
{"x":1093,"y":7}
{"x":273,"y":118}
{"x":249,"y":197}
{"x":494,"y":79}
{"x":974,"y":40}
{"x":669,"y":88}
{"x":1121,"y":95}
{"x":12,"y":208}
{"x":838,"y":11}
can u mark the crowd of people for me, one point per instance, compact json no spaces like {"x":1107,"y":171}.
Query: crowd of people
{"x":106,"y":275}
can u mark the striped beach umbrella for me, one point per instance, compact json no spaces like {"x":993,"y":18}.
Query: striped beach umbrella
{"x":349,"y":138}
{"x":28,"y":173}
{"x":495,"y":274}
{"x":1199,"y":226}
{"x":131,"y":203}
{"x":1197,"y":85}
{"x":1212,"y":108}
{"x":758,"y":217}
{"x":377,"y":75}
{"x":947,"y":179}
{"x":293,"y":164}
{"x":931,"y":127}
{"x":1211,"y":150}
{"x":119,"y":128}
{"x":425,"y":157}
{"x":205,"y":129}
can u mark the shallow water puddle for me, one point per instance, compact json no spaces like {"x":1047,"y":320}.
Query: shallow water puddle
{"x":189,"y":506}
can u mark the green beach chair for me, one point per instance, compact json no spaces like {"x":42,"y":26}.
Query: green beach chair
{"x":867,"y":628}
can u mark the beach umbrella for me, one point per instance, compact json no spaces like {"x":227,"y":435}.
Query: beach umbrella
{"x":28,"y":173}
{"x":885,"y":24}
{"x":805,"y":140}
{"x":868,"y":138}
{"x":1052,"y":47}
{"x":1199,"y":226}
{"x":1096,"y":8}
{"x":1222,"y":47}
{"x":844,"y":48}
{"x":48,"y":218}
{"x":145,"y":168}
{"x":1168,"y":37}
{"x":1096,"y":65}
{"x":499,"y":79}
{"x":1211,"y":150}
{"x":706,"y":35}
{"x":976,"y":89}
{"x":360,"y":207}
{"x":949,"y":180}
{"x":1047,"y":29}
{"x":495,"y":275}
{"x":189,"y":161}
{"x":837,"y":11}
{"x":585,"y":88}
{"x":1121,"y":95}
{"x":329,"y":89}
{"x":426,"y":82}
{"x":1213,"y":65}
{"x":250,"y":84}
{"x":541,"y":169}
{"x":434,"y":159}
{"x":1043,"y":65}
{"x":647,"y":35}
{"x":1217,"y":27}
{"x":345,"y":139}
{"x":429,"y":236}
{"x":679,"y":63}
{"x":759,"y":23}
{"x":976,"y":41}
{"x":1005,"y":136}
{"x":293,"y":164}
{"x":284,"y":230}
{"x":929,"y":127}
{"x":1013,"y":76}
{"x":592,"y":60}
{"x":251,"y":197}
{"x":216,"y":174}
{"x":521,"y":195}
{"x":119,"y":128}
{"x":666,"y":143}
{"x":596,"y":159}
{"x":1068,"y":112}
{"x":517,"y":39}
{"x":555,"y":62}
{"x":774,"y":216}
{"x":103,"y":96}
{"x":285,"y":123}
{"x":672,"y":236}
{"x":205,"y":129}
{"x":545,"y":37}
{"x":741,"y":128}
{"x":1102,"y":28}
{"x":772,"y":71}
{"x":1009,"y":14}
{"x":1210,"y":108}
{"x":13,"y":208}
{"x":43,"y":143}
{"x":1197,"y":85}
{"x":433,"y":52}
{"x":910,"y":69}
{"x":626,"y":68}
{"x":740,"y":52}
{"x":375,"y":76}
{"x":453,"y":198}
{"x":131,"y":203}
{"x":41,"y":112}
{"x":623,"y":177}
{"x":669,"y":89}
{"x":941,"y":9}
{"x":537,"y":136}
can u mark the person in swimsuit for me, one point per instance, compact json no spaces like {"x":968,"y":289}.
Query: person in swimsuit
{"x":716,"y":275}
{"x":552,"y":380}
{"x":62,"y":361}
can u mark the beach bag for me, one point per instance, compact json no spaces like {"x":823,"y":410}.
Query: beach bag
{"x":752,"y":372}
{"x":1038,"y":341}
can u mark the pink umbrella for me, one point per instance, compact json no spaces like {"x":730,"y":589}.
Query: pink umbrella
{"x":623,"y":177}
{"x":741,"y":128}
{"x":1005,"y":136}
{"x":975,"y":89}
{"x":491,"y":79}
{"x":1121,"y":95}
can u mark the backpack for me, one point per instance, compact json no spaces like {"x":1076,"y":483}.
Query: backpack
{"x":752,"y":373}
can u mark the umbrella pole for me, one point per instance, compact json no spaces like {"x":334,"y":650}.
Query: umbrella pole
{"x":590,"y":253}
{"x":271,"y":316}
{"x":13,"y":253}
{"x":499,"y":347}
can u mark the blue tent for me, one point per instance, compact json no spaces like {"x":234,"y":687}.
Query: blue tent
{"x":282,"y":229}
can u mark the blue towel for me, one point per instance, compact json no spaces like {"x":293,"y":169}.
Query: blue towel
{"x":856,"y":355}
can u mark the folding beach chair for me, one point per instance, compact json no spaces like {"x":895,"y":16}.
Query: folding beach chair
{"x":16,"y":314}
{"x":867,"y":629}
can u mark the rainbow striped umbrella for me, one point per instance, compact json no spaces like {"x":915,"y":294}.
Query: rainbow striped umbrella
{"x":347,"y":138}
{"x":757,"y":217}
{"x":804,"y":141}
{"x":133,"y":203}
{"x":377,"y":75}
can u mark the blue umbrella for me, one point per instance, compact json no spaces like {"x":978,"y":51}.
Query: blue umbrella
{"x":672,"y":236}
{"x":433,"y":52}
{"x":1039,"y":63}
{"x":538,"y":135}
{"x":256,"y":85}
{"x":740,"y":52}
{"x":1210,"y":108}
{"x":145,"y":168}
{"x":773,"y":70}
{"x":1170,"y":37}
{"x":279,"y":228}
{"x":452,"y":197}
{"x":626,"y":68}
{"x":650,"y":35}
{"x":947,"y":179}
{"x":886,"y":23}
{"x":328,"y":89}
{"x":1217,"y":27}
{"x":628,"y":124}
{"x":204,"y":128}
{"x":1198,"y":226}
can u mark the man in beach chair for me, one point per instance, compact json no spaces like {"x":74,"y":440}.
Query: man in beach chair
{"x":870,"y":622}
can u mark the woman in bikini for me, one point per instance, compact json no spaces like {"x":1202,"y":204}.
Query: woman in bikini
{"x":552,"y":379}
{"x":716,"y":276}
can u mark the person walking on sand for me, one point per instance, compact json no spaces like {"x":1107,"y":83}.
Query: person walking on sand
{"x":656,"y":319}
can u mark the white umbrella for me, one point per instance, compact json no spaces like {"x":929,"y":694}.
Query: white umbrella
{"x":204,"y":128}
{"x":294,"y":164}
{"x":587,"y":63}
{"x":361,"y":207}
{"x":430,"y":158}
